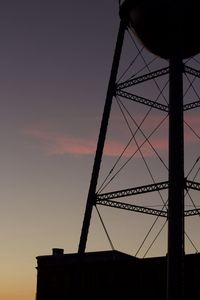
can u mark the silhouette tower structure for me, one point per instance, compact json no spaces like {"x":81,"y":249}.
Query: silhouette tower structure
{"x":169,"y":30}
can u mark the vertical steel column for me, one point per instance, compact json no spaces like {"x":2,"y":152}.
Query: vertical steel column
{"x":175,"y":258}
{"x":101,"y":139}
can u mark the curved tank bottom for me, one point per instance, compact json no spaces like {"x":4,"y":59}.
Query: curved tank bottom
{"x":165,"y":27}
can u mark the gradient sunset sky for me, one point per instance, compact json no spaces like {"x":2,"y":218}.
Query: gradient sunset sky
{"x":55,"y":64}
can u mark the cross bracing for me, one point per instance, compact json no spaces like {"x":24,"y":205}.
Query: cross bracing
{"x":154,"y":78}
{"x":134,"y":191}
{"x":144,"y":209}
{"x":144,"y":189}
{"x":106,"y":198}
{"x":149,"y":76}
{"x":154,"y":104}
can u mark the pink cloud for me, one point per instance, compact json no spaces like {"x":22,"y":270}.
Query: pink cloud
{"x":56,"y":143}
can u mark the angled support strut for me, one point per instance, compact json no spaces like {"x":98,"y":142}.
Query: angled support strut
{"x":101,"y":139}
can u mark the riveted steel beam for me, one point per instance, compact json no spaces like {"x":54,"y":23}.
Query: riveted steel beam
{"x":192,"y":71}
{"x":134,"y":191}
{"x":193,"y":185}
{"x":192,"y":212}
{"x":143,"y":78}
{"x":131,"y":207}
{"x":191,"y":105}
{"x":142,"y":100}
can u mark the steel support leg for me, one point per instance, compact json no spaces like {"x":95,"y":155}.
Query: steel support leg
{"x":101,"y":139}
{"x":175,"y":257}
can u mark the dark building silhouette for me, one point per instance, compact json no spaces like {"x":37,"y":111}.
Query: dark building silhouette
{"x":109,"y":275}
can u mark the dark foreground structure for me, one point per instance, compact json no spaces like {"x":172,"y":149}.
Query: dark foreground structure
{"x":109,"y":275}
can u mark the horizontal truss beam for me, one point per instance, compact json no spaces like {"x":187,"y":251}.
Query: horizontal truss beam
{"x":131,"y":207}
{"x":104,"y":199}
{"x":192,"y":71}
{"x":192,"y":212}
{"x":134,"y":191}
{"x":143,"y":78}
{"x":153,"y":75}
{"x":192,"y":185}
{"x":154,"y":104}
{"x":145,"y":189}
{"x":143,"y":209}
{"x":142,"y":100}
{"x":191,"y":105}
{"x":150,"y":76}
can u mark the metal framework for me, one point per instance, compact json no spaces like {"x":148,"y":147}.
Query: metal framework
{"x":192,"y":71}
{"x":134,"y":191}
{"x":143,"y":78}
{"x":176,"y":185}
{"x":145,"y":189}
{"x":135,"y":208}
{"x":142,"y":100}
{"x":144,"y":209}
{"x":105,"y":199}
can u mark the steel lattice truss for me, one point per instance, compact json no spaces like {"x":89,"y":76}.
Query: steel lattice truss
{"x":106,"y":198}
{"x":142,"y":100}
{"x":192,"y":71}
{"x":149,"y":76}
{"x":140,"y":79}
{"x":125,"y":89}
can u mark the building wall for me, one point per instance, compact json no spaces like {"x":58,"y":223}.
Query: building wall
{"x":109,"y":275}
